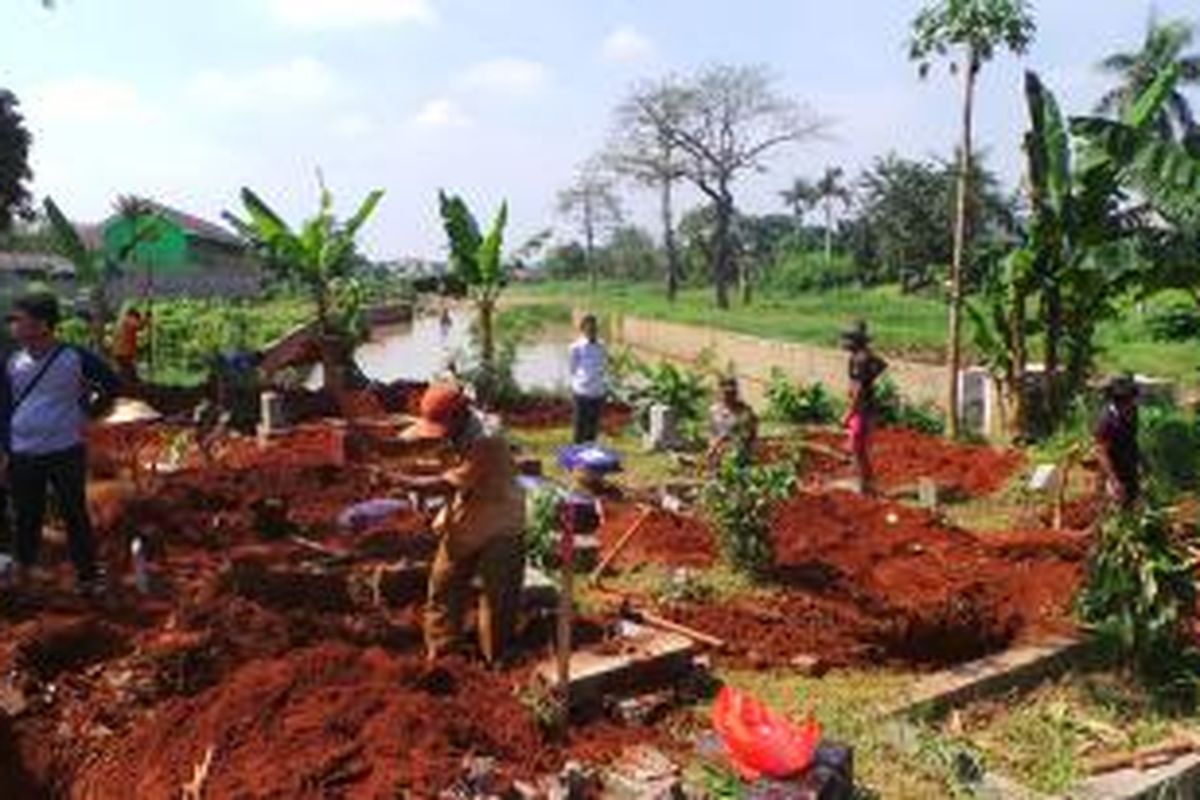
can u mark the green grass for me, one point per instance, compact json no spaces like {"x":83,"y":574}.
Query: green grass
{"x":1044,"y":738}
{"x":904,"y":325}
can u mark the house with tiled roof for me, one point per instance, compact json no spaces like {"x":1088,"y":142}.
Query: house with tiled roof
{"x":185,"y":255}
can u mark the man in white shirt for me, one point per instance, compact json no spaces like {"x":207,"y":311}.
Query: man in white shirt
{"x":50,"y":390}
{"x":589,"y":381}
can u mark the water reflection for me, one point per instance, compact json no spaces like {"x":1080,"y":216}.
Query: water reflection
{"x":421,"y":350}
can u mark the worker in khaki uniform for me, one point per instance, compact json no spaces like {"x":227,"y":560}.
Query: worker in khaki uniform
{"x":481,"y":525}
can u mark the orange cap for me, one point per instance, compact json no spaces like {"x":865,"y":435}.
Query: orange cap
{"x":441,"y":405}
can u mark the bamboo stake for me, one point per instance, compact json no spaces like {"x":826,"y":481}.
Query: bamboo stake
{"x":565,"y":621}
{"x":630,"y":532}
{"x":656,"y":621}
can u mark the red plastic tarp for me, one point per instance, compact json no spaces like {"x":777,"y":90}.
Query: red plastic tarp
{"x":760,"y":742}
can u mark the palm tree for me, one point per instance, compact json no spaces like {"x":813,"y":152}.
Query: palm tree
{"x":1163,"y":47}
{"x":800,"y":198}
{"x":977,"y":28}
{"x":829,"y":189}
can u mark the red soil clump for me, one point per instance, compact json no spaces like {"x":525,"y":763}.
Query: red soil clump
{"x":867,"y":581}
{"x":901,"y":457}
{"x":539,"y":412}
{"x":319,"y":695}
{"x":327,"y":721}
{"x":676,"y":540}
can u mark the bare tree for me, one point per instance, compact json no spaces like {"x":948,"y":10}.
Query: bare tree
{"x":592,"y":204}
{"x":732,"y":118}
{"x":644,"y":149}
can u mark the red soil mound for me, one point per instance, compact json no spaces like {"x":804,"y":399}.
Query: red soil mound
{"x":862,"y":580}
{"x":537,"y":412}
{"x":664,"y":538}
{"x":900,"y":457}
{"x":329,"y":721}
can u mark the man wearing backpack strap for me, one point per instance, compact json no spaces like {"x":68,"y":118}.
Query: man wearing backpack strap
{"x":53,"y":389}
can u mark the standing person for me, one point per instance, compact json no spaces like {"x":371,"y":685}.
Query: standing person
{"x":589,"y":380}
{"x":53,"y":387}
{"x":481,"y":526}
{"x":128,"y":344}
{"x":1117,"y":443}
{"x":732,"y":424}
{"x":864,"y":369}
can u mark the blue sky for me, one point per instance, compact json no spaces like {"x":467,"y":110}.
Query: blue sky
{"x":188,"y":101}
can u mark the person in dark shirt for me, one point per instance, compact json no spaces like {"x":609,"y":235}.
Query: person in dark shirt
{"x":1117,"y":442}
{"x":865,"y":368}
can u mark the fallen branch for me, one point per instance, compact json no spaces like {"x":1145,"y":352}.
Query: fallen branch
{"x":1147,"y":757}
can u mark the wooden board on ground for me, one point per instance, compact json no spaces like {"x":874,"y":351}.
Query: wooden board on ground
{"x":635,"y":662}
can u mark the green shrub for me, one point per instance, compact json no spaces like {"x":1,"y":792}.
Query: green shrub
{"x":1170,"y":442}
{"x":1140,"y":594}
{"x":513,"y":328}
{"x":804,"y":272}
{"x":683,"y":391}
{"x":894,"y":410}
{"x":740,"y":501}
{"x":924,"y":418}
{"x":1178,"y":323}
{"x":540,"y":533}
{"x":799,"y":404}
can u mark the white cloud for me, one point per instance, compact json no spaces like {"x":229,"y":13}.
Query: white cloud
{"x":509,"y":75}
{"x":343,"y":14}
{"x":296,"y":82}
{"x":441,"y":112}
{"x":353,"y":126}
{"x":87,"y":99}
{"x":626,"y":45}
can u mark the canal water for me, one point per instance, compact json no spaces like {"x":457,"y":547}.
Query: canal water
{"x":420,"y":350}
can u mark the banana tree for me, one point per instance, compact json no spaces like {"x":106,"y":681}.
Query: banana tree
{"x":1163,"y":174}
{"x":1002,"y":329}
{"x":96,"y":268}
{"x":1080,"y":252}
{"x":477,"y":260}
{"x":321,"y":257}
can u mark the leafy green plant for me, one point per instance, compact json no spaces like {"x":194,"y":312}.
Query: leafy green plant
{"x":322,"y":258}
{"x":894,"y":410}
{"x":1140,"y":594}
{"x":477,"y":261}
{"x":541,"y":531}
{"x":1170,"y":442}
{"x":682,"y":390}
{"x":513,"y":329}
{"x":923,"y":418}
{"x":740,"y":501}
{"x":1179,"y":323}
{"x":810,"y":404}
